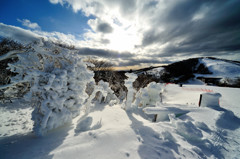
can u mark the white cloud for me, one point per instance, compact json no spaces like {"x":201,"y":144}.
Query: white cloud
{"x":27,"y":23}
{"x":91,"y":46}
{"x":161,"y":28}
{"x":56,"y":1}
{"x":57,"y":36}
{"x":125,"y":21}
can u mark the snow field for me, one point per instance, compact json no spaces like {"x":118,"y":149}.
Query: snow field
{"x":111,"y":132}
{"x":219,"y":125}
{"x":113,"y":139}
{"x":15,"y":118}
{"x":73,"y":124}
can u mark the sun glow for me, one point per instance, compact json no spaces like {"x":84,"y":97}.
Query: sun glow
{"x":123,"y":40}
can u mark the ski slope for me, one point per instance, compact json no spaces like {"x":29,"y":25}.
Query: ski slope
{"x":111,"y":132}
{"x":221,"y":68}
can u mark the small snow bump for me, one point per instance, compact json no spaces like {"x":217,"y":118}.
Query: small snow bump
{"x":127,"y":154}
{"x":12,"y":111}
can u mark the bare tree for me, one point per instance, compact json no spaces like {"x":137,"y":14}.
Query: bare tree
{"x":103,"y":70}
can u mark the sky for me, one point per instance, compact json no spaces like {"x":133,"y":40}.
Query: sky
{"x":131,"y":32}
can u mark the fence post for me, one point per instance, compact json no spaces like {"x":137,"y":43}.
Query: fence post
{"x":200,"y":100}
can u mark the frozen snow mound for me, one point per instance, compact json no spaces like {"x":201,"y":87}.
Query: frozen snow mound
{"x":209,"y":100}
{"x":162,"y":112}
{"x":99,"y":94}
{"x":131,"y":91}
{"x":150,"y":95}
{"x":57,"y":78}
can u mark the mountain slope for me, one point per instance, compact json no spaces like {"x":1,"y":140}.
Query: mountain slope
{"x":210,"y":70}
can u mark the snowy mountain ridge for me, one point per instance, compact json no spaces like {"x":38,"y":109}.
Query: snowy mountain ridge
{"x":210,"y":70}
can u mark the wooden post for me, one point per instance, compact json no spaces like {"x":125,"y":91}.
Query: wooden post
{"x":200,"y":100}
{"x":161,"y":97}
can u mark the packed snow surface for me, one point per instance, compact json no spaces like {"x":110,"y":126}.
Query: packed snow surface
{"x":112,"y":132}
{"x":15,"y":118}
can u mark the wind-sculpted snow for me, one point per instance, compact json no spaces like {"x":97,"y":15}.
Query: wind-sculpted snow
{"x":57,"y":79}
{"x":100,"y":93}
{"x":150,"y":95}
{"x":130,"y":94}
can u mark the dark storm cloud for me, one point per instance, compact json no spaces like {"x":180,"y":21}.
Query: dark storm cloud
{"x":121,"y":58}
{"x":182,"y":11}
{"x":104,"y":53}
{"x":127,"y":7}
{"x":104,"y":28}
{"x":132,"y":61}
{"x":217,"y":31}
{"x":105,"y":41}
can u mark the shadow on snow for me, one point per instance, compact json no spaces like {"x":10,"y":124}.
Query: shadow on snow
{"x":30,"y":146}
{"x":153,"y":146}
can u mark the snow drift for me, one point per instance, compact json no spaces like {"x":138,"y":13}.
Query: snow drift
{"x":57,"y":79}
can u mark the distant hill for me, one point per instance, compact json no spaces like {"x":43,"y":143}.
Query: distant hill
{"x":210,"y":70}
